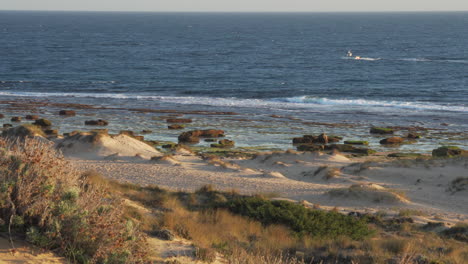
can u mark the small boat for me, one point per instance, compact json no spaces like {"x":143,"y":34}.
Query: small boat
{"x":350,"y":55}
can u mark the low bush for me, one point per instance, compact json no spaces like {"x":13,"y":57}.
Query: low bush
{"x":57,"y":208}
{"x":302,"y":220}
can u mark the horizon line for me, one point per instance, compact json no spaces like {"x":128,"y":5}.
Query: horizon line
{"x":225,"y":12}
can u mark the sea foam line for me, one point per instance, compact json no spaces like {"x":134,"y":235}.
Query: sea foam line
{"x":274,"y":103}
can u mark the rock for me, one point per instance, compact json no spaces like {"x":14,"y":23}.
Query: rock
{"x":448,"y":152}
{"x":176,"y":126}
{"x":356,"y":142}
{"x":67,"y":113}
{"x":98,"y":122}
{"x":127,"y":132}
{"x":413,"y":136}
{"x":194,"y":135}
{"x":16,"y":119}
{"x":51,"y":132}
{"x":32,"y":117}
{"x":404,"y":155}
{"x":7,"y":125}
{"x":306,"y":139}
{"x":322,"y":138}
{"x":179,"y":120}
{"x":43,"y":122}
{"x":169,"y":146}
{"x":146,"y":132}
{"x":334,"y":139}
{"x":381,"y":130}
{"x":2,"y":115}
{"x":152,"y":142}
{"x":391,"y":140}
{"x":164,"y":234}
{"x":350,"y":149}
{"x":225,"y":143}
{"x":312,"y":148}
{"x":210,"y":140}
{"x":188,"y":137}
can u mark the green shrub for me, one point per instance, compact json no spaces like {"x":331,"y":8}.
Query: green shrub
{"x":301,"y":220}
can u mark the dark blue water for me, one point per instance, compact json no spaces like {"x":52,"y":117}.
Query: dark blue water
{"x":413,"y":66}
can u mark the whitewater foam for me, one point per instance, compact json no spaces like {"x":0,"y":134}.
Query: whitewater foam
{"x":299,"y":102}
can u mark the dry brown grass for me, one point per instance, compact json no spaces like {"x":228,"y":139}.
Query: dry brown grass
{"x":58,"y":208}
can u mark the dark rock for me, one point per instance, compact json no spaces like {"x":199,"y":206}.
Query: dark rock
{"x":127,"y":132}
{"x":448,"y":152}
{"x":67,"y":113}
{"x":179,"y":120}
{"x":43,"y":122}
{"x":32,"y":117}
{"x":306,"y":139}
{"x":225,"y":143}
{"x":306,"y":147}
{"x":2,"y":115}
{"x":169,"y":146}
{"x":356,"y":142}
{"x":350,"y":149}
{"x":381,"y":130}
{"x":194,"y":135}
{"x":175,"y":126}
{"x":391,"y":140}
{"x":152,"y":142}
{"x":322,"y":138}
{"x":404,"y":155}
{"x":146,"y":132}
{"x":98,"y":122}
{"x":334,"y":139}
{"x":413,"y":136}
{"x":210,"y":140}
{"x":164,"y":234}
{"x":16,"y":119}
{"x":7,"y":125}
{"x":51,"y":132}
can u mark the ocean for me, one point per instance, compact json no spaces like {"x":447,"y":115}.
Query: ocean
{"x":412,"y":71}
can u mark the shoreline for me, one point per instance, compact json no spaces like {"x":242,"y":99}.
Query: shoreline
{"x":347,"y":180}
{"x":263,"y":130}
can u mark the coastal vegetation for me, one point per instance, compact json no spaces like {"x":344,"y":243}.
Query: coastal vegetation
{"x":90,"y":219}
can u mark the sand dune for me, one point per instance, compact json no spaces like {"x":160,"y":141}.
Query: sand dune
{"x":328,"y":180}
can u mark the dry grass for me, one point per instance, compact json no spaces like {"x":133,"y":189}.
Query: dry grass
{"x":58,"y":208}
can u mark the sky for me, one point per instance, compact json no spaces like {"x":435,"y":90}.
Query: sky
{"x":237,"y":5}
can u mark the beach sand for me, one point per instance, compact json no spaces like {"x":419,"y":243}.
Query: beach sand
{"x":364,"y":184}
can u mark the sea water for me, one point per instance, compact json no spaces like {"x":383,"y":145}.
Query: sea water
{"x":412,"y":71}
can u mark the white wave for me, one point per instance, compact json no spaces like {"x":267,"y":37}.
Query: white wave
{"x":375,"y":103}
{"x":298,"y":102}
